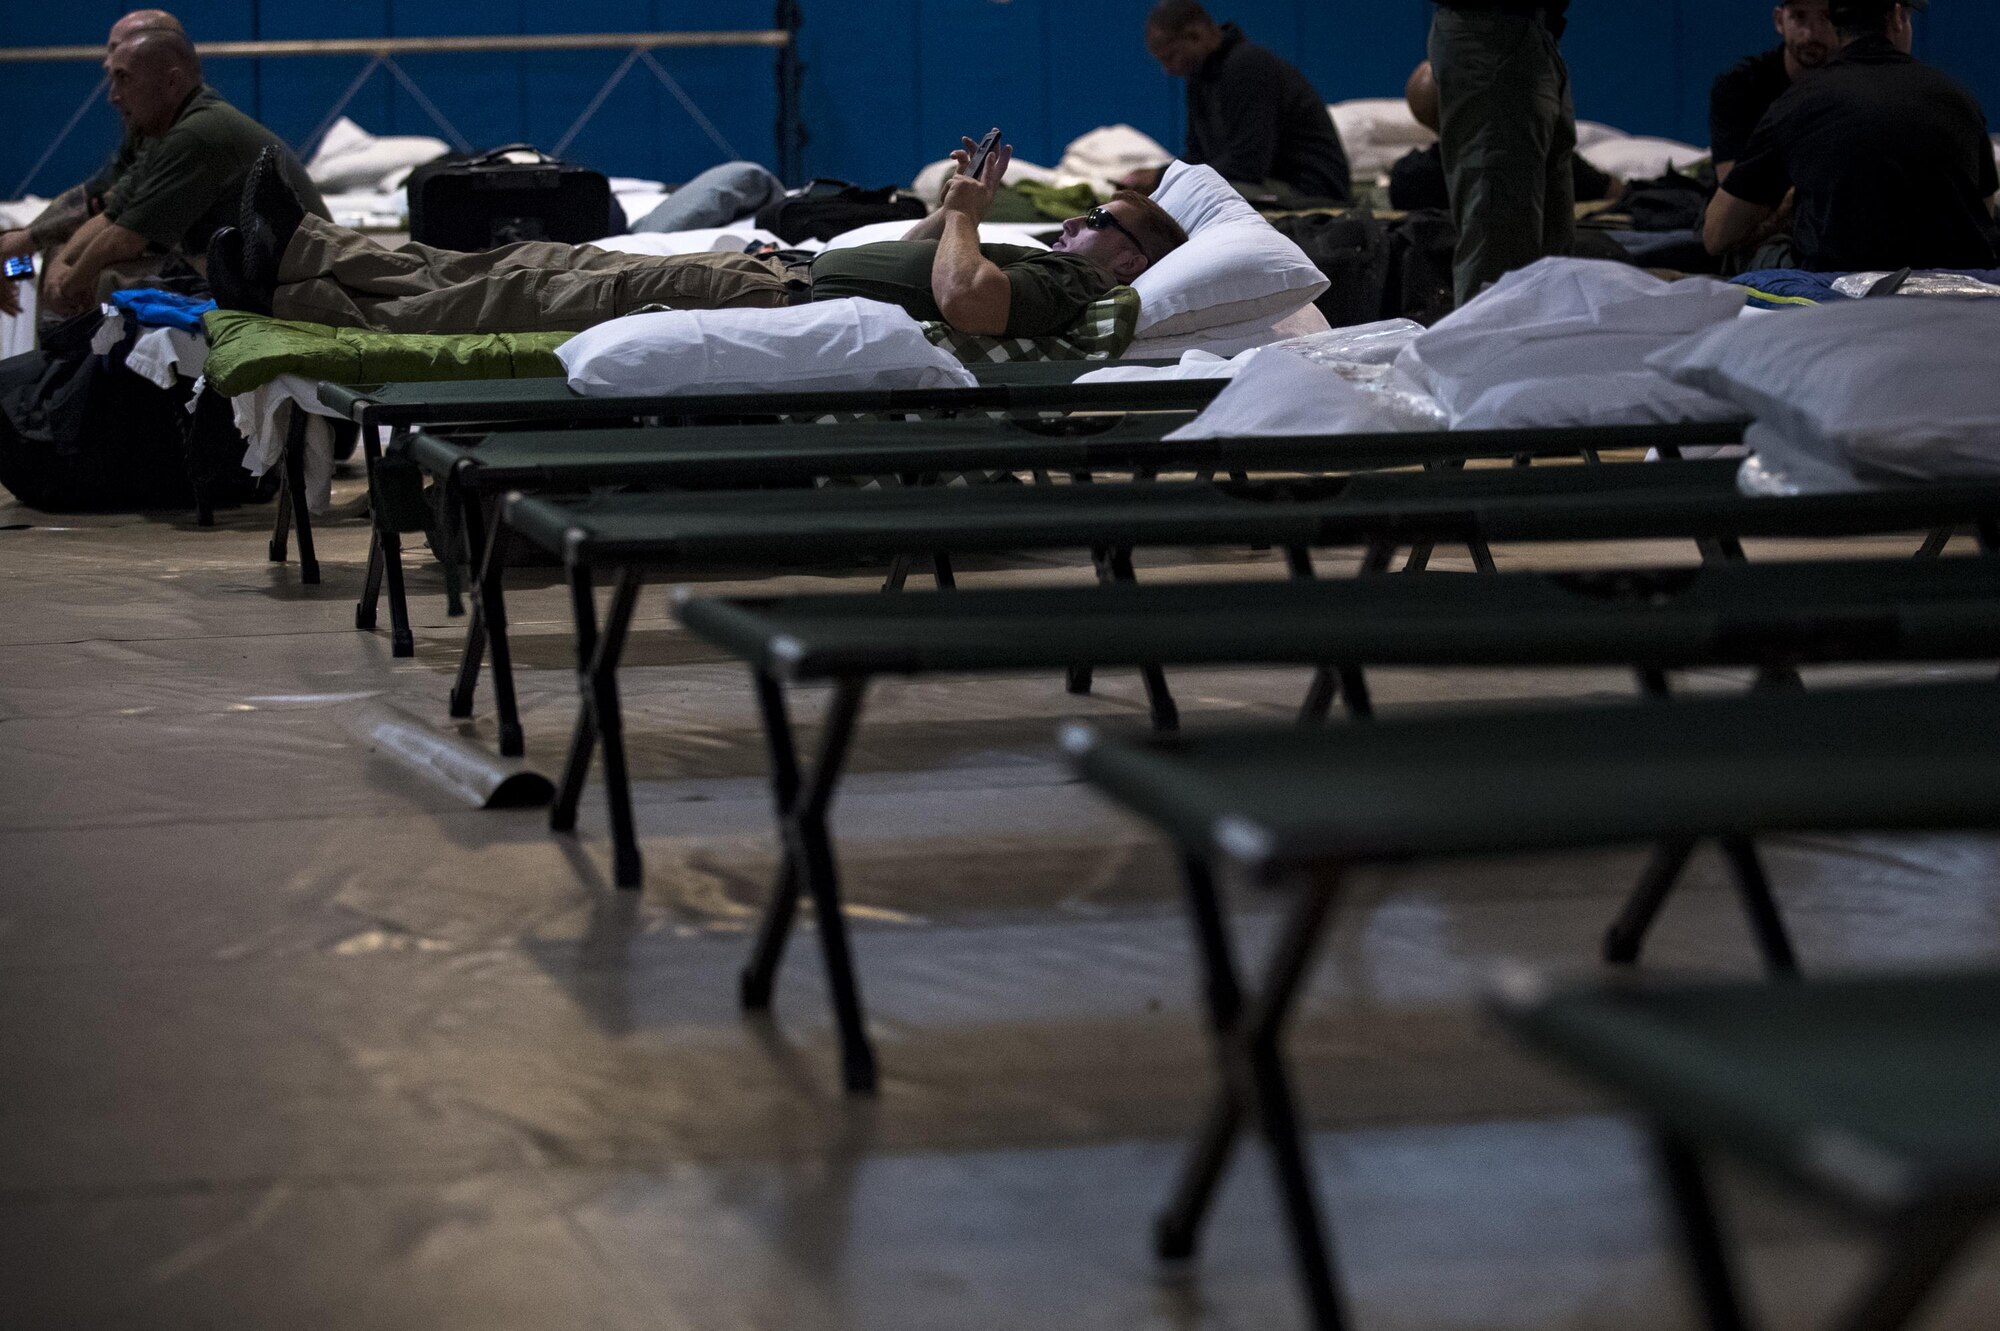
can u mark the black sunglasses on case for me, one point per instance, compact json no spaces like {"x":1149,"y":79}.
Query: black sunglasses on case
{"x":1100,"y":217}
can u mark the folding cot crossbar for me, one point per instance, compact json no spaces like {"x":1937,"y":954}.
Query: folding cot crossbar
{"x":626,"y":536}
{"x":1017,"y":387}
{"x":1295,"y":809}
{"x":1774,"y":616}
{"x":1873,"y":1096}
{"x":475,"y":470}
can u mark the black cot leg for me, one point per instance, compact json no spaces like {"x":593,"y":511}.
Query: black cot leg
{"x":493,"y":614}
{"x":1701,"y":1236}
{"x":1249,"y":1029}
{"x":1920,"y":1253}
{"x":401,"y":641}
{"x":1626,"y":937}
{"x":474,"y":651}
{"x":808,"y":866}
{"x":583,"y":737}
{"x":1117,"y":568}
{"x":1935,"y":543}
{"x":281,"y":526}
{"x":1767,"y":926}
{"x":602,"y":683}
{"x":295,"y":486}
{"x":1178,"y":1228}
{"x":775,"y":929}
{"x":371,"y":586}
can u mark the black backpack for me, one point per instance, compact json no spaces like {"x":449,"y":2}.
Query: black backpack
{"x":78,"y":432}
{"x":828,"y":208}
{"x":1421,"y":247}
{"x":1353,"y":253}
{"x":480,"y":203}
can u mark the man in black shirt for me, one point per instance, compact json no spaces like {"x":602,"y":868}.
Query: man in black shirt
{"x":1507,"y":131}
{"x":1250,"y":115}
{"x":1745,"y":91}
{"x":1890,"y":159}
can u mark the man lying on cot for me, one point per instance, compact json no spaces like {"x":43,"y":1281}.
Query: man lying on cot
{"x":288,"y":263}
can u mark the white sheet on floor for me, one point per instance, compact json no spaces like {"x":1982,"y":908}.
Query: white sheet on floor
{"x":349,"y":157}
{"x":1376,"y":131}
{"x":1106,"y":154}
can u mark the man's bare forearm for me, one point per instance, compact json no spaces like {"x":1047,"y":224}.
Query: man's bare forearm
{"x":931,"y":228}
{"x":971,"y":291}
{"x":55,"y":224}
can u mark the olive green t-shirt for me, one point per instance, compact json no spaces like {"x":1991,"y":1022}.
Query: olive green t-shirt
{"x":1048,"y":290}
{"x":189,"y":181}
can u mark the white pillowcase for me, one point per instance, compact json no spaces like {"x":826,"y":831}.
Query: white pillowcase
{"x":1376,"y":131}
{"x":1884,"y":388}
{"x":833,"y":344}
{"x":1559,"y":319}
{"x":1630,"y":397}
{"x":1236,"y":267}
{"x":1640,"y":158}
{"x":350,"y":158}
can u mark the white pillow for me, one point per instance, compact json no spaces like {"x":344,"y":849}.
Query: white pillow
{"x":1883,"y":388}
{"x":1376,"y":131}
{"x":833,"y":344}
{"x":1558,"y":318}
{"x":1279,"y":393}
{"x":349,"y":157}
{"x":1640,"y":159}
{"x":1107,"y":153}
{"x":1628,"y":397}
{"x":1234,"y":268}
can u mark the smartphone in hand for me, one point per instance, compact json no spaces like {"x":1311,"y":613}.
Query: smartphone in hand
{"x":987,"y":147}
{"x":20,"y":269}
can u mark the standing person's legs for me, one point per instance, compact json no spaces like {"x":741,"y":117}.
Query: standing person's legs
{"x":716,"y":197}
{"x":333,"y":276}
{"x":1499,"y":101}
{"x":1559,"y":214}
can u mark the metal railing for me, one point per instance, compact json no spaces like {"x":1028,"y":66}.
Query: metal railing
{"x":382,"y":53}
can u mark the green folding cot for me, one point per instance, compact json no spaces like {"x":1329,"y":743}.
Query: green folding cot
{"x":1876,"y":1096}
{"x":628,"y":536}
{"x":454,"y":405}
{"x":474,"y":470}
{"x":1775,"y":617}
{"x":1290,"y":811}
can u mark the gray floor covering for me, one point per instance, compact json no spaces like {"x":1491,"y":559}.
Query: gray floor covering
{"x":288,"y":1038}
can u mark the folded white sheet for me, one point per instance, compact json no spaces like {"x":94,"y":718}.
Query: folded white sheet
{"x":1280,"y":393}
{"x":1230,"y":339}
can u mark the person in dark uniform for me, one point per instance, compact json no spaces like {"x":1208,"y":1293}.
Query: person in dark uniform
{"x":1417,"y":178}
{"x":1890,"y":159}
{"x":1746,"y":90}
{"x":1250,"y":115}
{"x":1507,"y":132}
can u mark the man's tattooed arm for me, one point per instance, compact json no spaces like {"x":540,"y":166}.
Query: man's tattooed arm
{"x":60,"y":220}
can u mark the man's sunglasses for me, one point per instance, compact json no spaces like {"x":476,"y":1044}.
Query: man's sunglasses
{"x":1100,"y":217}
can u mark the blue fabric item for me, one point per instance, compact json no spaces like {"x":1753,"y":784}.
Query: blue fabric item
{"x":1796,"y":284}
{"x":716,"y":197}
{"x":162,"y":309}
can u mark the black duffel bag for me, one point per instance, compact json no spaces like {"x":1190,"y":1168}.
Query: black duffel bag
{"x":828,"y":208}
{"x":1351,"y":250}
{"x":484,"y":202}
{"x":78,"y":431}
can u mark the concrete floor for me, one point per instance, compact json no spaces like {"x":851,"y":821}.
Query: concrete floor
{"x":288,"y":1038}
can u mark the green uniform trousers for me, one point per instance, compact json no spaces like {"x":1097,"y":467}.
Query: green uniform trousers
{"x":1508,"y":130}
{"x":331,"y":275}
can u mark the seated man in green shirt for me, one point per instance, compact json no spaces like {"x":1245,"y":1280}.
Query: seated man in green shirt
{"x":185,"y":183}
{"x":298,"y":267}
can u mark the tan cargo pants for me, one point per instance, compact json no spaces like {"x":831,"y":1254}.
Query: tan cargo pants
{"x":331,"y":275}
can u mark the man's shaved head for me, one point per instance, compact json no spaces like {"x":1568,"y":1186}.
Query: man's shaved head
{"x":152,"y":74}
{"x":142,"y":20}
{"x":1421,"y":92}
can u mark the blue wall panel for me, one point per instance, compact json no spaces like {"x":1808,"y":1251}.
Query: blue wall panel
{"x":889,"y":85}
